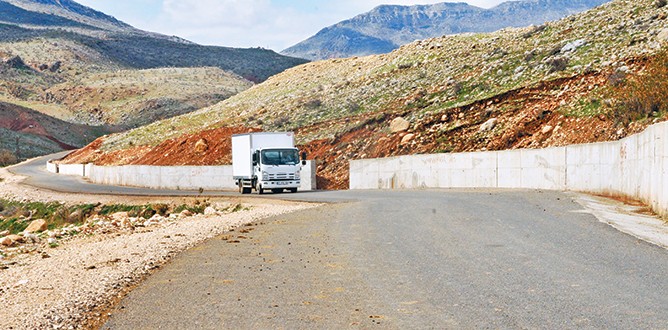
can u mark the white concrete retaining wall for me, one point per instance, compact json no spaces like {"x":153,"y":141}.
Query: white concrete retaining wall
{"x":51,"y":166}
{"x":74,"y":169}
{"x":168,"y":177}
{"x":634,"y":166}
{"x":165,"y":177}
{"x":308,"y":176}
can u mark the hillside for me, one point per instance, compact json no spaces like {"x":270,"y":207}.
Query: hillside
{"x":28,"y":133}
{"x":131,"y":98}
{"x":576,"y":80}
{"x":78,"y":65}
{"x":387,"y":27}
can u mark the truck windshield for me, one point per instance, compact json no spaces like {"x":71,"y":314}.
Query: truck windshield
{"x":280,"y":157}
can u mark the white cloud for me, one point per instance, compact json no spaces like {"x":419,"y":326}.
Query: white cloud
{"x":234,"y":23}
{"x":274,"y":24}
{"x":241,"y":13}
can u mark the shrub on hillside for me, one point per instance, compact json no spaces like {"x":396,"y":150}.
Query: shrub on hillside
{"x":645,"y":94}
{"x":7,"y":158}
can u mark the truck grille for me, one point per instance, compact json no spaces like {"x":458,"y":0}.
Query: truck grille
{"x":282,"y":176}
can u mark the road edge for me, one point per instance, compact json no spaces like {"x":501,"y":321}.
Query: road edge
{"x":625,"y":218}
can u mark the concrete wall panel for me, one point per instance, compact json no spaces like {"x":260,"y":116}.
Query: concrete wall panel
{"x":543,"y":168}
{"x":509,"y":168}
{"x":634,"y":166}
{"x":51,"y":167}
{"x":74,"y":169}
{"x":483,"y":171}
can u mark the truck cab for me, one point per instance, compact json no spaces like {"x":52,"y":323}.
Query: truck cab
{"x":277,"y":169}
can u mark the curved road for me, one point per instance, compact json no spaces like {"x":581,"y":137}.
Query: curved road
{"x":395,"y":260}
{"x":37,"y":176}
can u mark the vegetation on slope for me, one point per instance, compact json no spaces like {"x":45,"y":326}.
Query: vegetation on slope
{"x":534,"y":87}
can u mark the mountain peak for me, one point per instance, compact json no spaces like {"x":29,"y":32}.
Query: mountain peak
{"x":391,"y":26}
{"x":69,"y":10}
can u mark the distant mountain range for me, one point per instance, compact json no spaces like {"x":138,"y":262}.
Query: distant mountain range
{"x":126,"y":45}
{"x":388,"y":27}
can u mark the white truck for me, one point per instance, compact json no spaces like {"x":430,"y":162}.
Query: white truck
{"x":266,"y":161}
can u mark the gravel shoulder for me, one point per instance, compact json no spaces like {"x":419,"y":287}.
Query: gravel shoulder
{"x":72,"y":285}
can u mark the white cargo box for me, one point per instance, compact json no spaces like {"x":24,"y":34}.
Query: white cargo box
{"x":244,"y":145}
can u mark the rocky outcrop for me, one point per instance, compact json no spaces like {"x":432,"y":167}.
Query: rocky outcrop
{"x":663,"y":35}
{"x":399,"y":124}
{"x":407,"y":139}
{"x":14,"y":62}
{"x":6,"y":241}
{"x":36,"y":226}
{"x":488,"y":125}
{"x":201,"y":146}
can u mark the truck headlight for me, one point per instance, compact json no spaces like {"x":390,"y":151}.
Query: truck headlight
{"x":265,"y":176}
{"x":297,"y":175}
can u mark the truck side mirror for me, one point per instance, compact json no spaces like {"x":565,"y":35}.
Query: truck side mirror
{"x":255,"y":159}
{"x":303,"y":158}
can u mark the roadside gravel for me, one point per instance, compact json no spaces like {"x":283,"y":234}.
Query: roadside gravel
{"x":72,"y":285}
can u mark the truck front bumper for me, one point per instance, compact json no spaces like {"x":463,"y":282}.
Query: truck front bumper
{"x":280,"y":184}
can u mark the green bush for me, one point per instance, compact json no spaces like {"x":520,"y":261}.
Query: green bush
{"x":133,"y":210}
{"x":195,"y":209}
{"x":16,"y":214}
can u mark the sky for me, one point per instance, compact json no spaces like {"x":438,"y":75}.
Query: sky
{"x":271,"y":24}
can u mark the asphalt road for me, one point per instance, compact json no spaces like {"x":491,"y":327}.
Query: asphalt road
{"x":412,"y":260}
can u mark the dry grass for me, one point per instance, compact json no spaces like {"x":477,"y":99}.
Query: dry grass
{"x":644,"y":95}
{"x":7,"y":158}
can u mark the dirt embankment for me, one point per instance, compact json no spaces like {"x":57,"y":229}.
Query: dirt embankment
{"x":525,"y":118}
{"x":209,"y":147}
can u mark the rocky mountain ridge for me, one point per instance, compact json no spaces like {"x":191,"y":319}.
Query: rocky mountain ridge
{"x":59,"y":12}
{"x":126,"y":46}
{"x":387,"y":27}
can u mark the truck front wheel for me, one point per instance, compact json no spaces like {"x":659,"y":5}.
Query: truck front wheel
{"x":260,"y":190}
{"x":293,"y":190}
